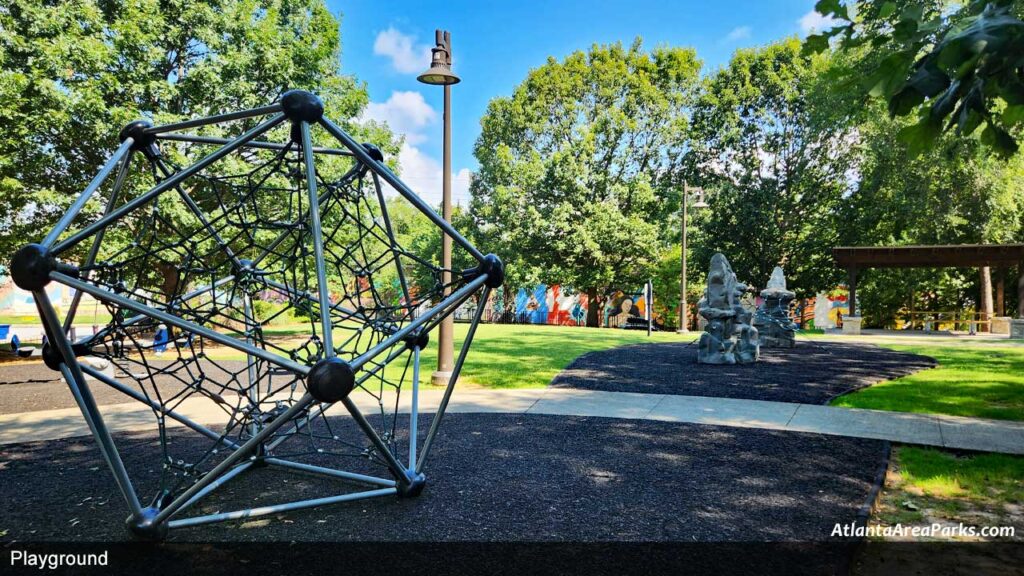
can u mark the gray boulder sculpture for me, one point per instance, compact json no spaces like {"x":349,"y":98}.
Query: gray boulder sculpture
{"x":774,"y":324}
{"x":728,"y":337}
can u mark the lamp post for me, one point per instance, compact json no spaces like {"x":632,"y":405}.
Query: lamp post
{"x":684,"y":312}
{"x":440,"y":74}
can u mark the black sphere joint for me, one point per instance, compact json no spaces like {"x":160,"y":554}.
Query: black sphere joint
{"x":244,"y":268}
{"x":418,"y":339}
{"x":299,"y":105}
{"x":495,"y":270}
{"x":145,"y":527}
{"x":412,"y":485}
{"x":52,"y":357}
{"x":137,"y":132}
{"x":331,"y":380}
{"x":374,"y":152}
{"x":31,"y":267}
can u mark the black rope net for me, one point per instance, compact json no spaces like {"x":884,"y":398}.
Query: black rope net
{"x":232,"y":249}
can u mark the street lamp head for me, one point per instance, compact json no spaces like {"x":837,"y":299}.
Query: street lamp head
{"x":439,"y":75}
{"x":700,"y":203}
{"x":440,"y":72}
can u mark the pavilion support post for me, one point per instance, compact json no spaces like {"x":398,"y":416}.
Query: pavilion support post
{"x":852,"y":287}
{"x":985,"y":316}
{"x":1000,"y":292}
{"x":852,"y":321}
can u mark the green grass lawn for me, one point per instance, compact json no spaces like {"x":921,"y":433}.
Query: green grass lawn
{"x":999,"y":477}
{"x":513,"y":356}
{"x":925,"y":485}
{"x":983,"y":382}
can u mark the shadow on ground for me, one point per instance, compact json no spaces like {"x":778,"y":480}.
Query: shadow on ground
{"x":493,"y":478}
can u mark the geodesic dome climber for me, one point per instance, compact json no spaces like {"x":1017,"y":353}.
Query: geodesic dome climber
{"x":211,"y":230}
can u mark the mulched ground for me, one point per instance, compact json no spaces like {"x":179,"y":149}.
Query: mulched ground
{"x":493,"y":478}
{"x":811,"y":373}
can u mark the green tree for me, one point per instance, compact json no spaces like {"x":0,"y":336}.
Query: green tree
{"x":947,"y":64}
{"x":955,"y":193}
{"x":73,"y":73}
{"x":578,"y":165}
{"x":767,"y":141}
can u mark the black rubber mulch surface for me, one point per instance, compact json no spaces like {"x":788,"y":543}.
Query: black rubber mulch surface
{"x":501,"y":478}
{"x":811,"y":373}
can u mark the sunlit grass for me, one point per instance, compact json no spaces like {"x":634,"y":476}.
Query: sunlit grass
{"x":511,"y":356}
{"x":941,"y":474}
{"x":979,"y":382}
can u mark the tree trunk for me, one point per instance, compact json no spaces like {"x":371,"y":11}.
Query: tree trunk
{"x":170,"y":275}
{"x":593,"y":309}
{"x":987,"y":310}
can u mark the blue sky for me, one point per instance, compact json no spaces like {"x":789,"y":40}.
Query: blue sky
{"x":495,"y":44}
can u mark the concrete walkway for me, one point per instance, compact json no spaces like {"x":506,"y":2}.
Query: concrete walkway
{"x":923,"y":429}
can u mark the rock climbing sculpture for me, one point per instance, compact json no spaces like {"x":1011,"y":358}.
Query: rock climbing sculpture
{"x":728,"y":337}
{"x":774,"y":325}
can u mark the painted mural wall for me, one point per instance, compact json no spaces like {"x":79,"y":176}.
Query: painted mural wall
{"x":19,"y":306}
{"x":557,"y":305}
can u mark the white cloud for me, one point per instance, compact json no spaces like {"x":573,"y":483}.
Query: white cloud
{"x":404,"y":112}
{"x":815,"y":22}
{"x":424,"y":175}
{"x":408,"y":114}
{"x":738,"y":33}
{"x":406,"y":55}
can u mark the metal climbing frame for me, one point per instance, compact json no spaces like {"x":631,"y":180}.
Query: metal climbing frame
{"x":213,"y":246}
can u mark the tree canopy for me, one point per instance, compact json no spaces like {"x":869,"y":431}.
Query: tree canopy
{"x":73,"y":73}
{"x":577,"y":163}
{"x":766,"y":143}
{"x":949,"y":65}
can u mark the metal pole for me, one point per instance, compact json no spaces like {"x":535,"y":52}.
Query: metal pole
{"x":72,"y":212}
{"x":72,"y":373}
{"x":445,"y":345}
{"x":196,"y":139}
{"x":684,"y":313}
{"x":115,"y":215}
{"x":163,"y":410}
{"x":363,"y":156}
{"x":261,"y":111}
{"x":185,"y":325}
{"x":460,"y":294}
{"x":250,"y":336}
{"x":229,"y":462}
{"x":436,"y":422}
{"x":311,"y":469}
{"x":318,"y":243}
{"x":414,"y":410}
{"x":94,"y":250}
{"x":278,"y":508}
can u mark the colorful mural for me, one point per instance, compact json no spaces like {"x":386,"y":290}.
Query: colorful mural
{"x":832,"y":303}
{"x":557,"y":305}
{"x":17,"y":302}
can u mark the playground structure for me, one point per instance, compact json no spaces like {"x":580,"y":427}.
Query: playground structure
{"x":186,"y":244}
